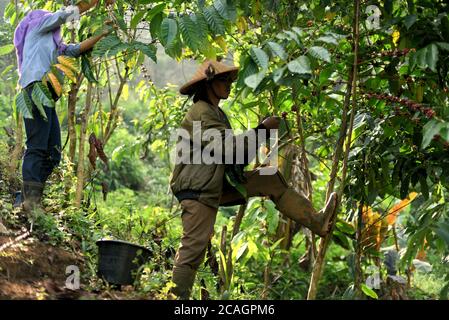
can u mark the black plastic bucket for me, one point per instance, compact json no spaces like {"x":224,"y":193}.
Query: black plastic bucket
{"x":117,"y":260}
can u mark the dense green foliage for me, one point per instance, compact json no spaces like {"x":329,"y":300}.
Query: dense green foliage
{"x":296,"y":60}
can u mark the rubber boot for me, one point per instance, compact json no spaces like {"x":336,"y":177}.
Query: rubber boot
{"x":300,"y":209}
{"x":18,"y":200}
{"x":32,"y":195}
{"x":183,"y":278}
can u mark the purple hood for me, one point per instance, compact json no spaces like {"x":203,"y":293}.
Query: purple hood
{"x":31,"y":21}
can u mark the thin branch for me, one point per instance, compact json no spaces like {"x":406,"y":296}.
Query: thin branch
{"x":109,"y":84}
{"x":351,"y":91}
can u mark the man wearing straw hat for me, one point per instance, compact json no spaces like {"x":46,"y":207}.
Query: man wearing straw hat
{"x":202,"y":188}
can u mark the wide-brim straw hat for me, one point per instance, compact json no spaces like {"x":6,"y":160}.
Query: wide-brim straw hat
{"x":207,"y":71}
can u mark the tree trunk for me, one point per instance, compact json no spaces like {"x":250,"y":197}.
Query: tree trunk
{"x":80,"y":171}
{"x":71,"y":118}
{"x":266,"y":281}
{"x":305,"y":184}
{"x":71,"y":110}
{"x":289,"y":170}
{"x":351,"y":91}
{"x":238,"y":220}
{"x":358,"y":276}
{"x":71,"y":129}
{"x":71,"y":123}
{"x":18,"y":148}
{"x":223,"y":265}
{"x":17,"y":151}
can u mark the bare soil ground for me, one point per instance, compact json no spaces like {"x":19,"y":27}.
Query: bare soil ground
{"x":34,"y":270}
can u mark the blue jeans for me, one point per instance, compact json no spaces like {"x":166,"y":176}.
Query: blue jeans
{"x":43,"y":144}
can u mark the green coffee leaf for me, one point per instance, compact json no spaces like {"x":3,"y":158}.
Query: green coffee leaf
{"x":443,"y":45}
{"x":432,"y":128}
{"x":137,"y":18}
{"x":149,"y":50}
{"x":254,"y":80}
{"x":23,"y":104}
{"x":41,"y":97}
{"x":226,"y":9}
{"x":155,"y":11}
{"x":87,"y":69}
{"x":260,"y":57}
{"x":432,"y":56}
{"x":278,"y":74}
{"x":189,"y":32}
{"x":410,"y":20}
{"x":169,"y":31}
{"x":215,"y":21}
{"x":278,"y":50}
{"x":300,"y":65}
{"x":320,"y":53}
{"x":328,"y":39}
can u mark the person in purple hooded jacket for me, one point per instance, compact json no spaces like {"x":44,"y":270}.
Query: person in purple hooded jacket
{"x":38,"y":43}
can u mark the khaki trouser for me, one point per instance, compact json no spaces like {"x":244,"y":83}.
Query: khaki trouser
{"x":198,"y":222}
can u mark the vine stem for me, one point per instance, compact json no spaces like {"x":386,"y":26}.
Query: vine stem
{"x":81,"y":161}
{"x":344,"y":135}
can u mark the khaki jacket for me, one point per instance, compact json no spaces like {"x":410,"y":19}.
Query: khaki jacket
{"x":204,"y":182}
